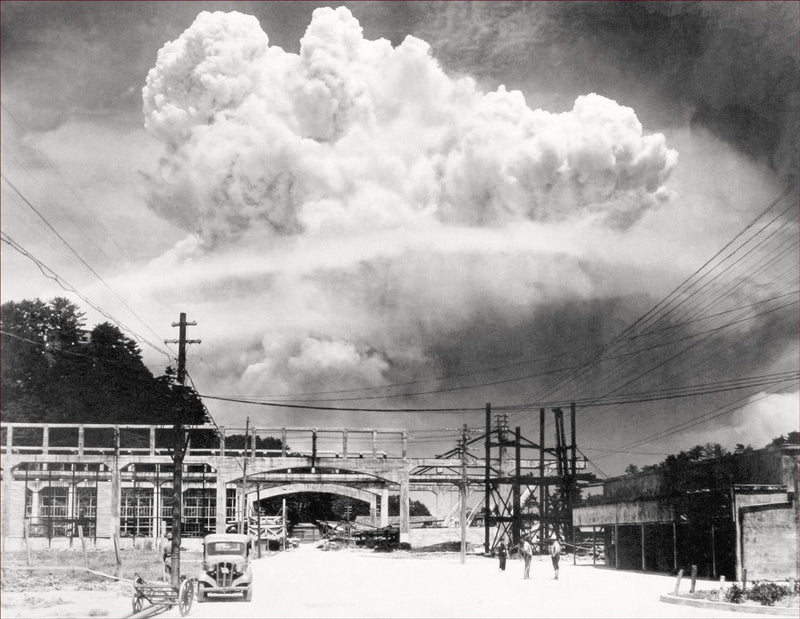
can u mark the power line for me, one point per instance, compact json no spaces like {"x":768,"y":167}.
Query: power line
{"x":86,"y":264}
{"x":66,"y":184}
{"x":51,"y":274}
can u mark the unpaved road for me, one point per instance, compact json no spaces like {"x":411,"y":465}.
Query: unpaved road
{"x":353,"y":583}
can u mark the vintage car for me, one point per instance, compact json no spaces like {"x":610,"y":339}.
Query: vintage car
{"x":226,"y":567}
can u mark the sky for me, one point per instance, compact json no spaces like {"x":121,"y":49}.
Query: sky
{"x":413,"y":205}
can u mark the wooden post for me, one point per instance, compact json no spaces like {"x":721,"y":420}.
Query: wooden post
{"x":283,"y":514}
{"x":463,"y":493}
{"x":721,"y":594}
{"x":258,"y":515}
{"x":574,"y":547}
{"x":594,"y":545}
{"x":644,"y":564}
{"x":678,"y":582}
{"x":713,"y":553}
{"x":674,"y":545}
{"x":116,"y":554}
{"x":487,"y":491}
{"x":616,"y":546}
{"x":283,"y":442}
{"x":542,"y":487}
{"x":744,"y":579}
{"x":694,"y":578}
{"x":344,"y":444}
{"x":516,"y":490}
{"x":26,"y":536}
{"x":83,"y":545}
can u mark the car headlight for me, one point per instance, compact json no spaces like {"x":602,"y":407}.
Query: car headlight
{"x":240,"y":567}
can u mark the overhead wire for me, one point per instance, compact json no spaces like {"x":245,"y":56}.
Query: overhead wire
{"x":62,"y":283}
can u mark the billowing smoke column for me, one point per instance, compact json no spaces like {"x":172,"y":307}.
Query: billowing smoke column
{"x":352,"y":139}
{"x":352,"y":128}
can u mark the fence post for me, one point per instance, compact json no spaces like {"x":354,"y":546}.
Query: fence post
{"x":678,"y":582}
{"x":26,"y":535}
{"x":694,"y":578}
{"x":83,"y":545}
{"x":116,"y":554}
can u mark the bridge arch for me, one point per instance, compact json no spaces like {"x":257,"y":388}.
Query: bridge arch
{"x":371,"y":497}
{"x":360,"y":494}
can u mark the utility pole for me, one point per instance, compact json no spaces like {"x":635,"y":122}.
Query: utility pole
{"x":463,"y":516}
{"x":179,"y":450}
{"x":243,"y":512}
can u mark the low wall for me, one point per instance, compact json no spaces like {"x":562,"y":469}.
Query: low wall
{"x":423,"y":537}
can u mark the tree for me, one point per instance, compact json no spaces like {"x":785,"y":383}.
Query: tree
{"x":415,"y":508}
{"x":48,"y":375}
{"x":631,"y":469}
{"x":792,"y":438}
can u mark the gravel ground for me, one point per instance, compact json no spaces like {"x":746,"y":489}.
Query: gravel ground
{"x":354,"y":583}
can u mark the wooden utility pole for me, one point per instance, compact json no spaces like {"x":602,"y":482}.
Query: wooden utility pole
{"x":243,"y":510}
{"x":178,"y":451}
{"x":463,"y":516}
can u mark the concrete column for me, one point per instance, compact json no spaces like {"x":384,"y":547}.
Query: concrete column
{"x":9,"y":439}
{"x":45,"y":440}
{"x":385,"y":508}
{"x":152,"y":441}
{"x":283,"y":442}
{"x":405,"y":443}
{"x":373,"y":516}
{"x":405,"y":507}
{"x":344,"y":444}
{"x":375,"y":447}
{"x":616,"y":546}
{"x":221,"y":443}
{"x":8,"y":480}
{"x":221,"y":503}
{"x":116,"y":485}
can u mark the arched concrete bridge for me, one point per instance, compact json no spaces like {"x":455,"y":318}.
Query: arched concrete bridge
{"x":58,"y":477}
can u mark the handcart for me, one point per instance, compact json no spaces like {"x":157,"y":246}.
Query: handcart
{"x":160,"y":593}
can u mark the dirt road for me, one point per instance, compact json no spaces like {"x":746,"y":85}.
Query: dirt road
{"x":351,"y":583}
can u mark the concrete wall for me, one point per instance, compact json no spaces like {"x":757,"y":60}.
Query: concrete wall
{"x":768,"y":535}
{"x":633,"y":512}
{"x":420,"y":538}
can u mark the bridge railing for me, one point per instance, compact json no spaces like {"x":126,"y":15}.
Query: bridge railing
{"x":204,"y":440}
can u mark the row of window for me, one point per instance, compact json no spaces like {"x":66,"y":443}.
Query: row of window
{"x":55,"y":510}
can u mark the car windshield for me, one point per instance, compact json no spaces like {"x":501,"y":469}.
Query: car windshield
{"x":225,"y":548}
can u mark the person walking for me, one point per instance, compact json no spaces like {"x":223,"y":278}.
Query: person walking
{"x":555,"y":555}
{"x":527,"y":555}
{"x":502,"y":554}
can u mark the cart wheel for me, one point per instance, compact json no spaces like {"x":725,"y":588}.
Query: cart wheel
{"x":137,"y":603}
{"x":185,"y":596}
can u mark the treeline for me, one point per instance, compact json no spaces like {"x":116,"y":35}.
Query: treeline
{"x":54,"y":370}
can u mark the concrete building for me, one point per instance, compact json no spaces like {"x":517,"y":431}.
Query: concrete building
{"x":724,"y":515}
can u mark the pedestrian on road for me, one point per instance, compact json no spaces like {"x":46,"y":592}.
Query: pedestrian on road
{"x":527,"y":555}
{"x":555,"y":555}
{"x":502,"y":553}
